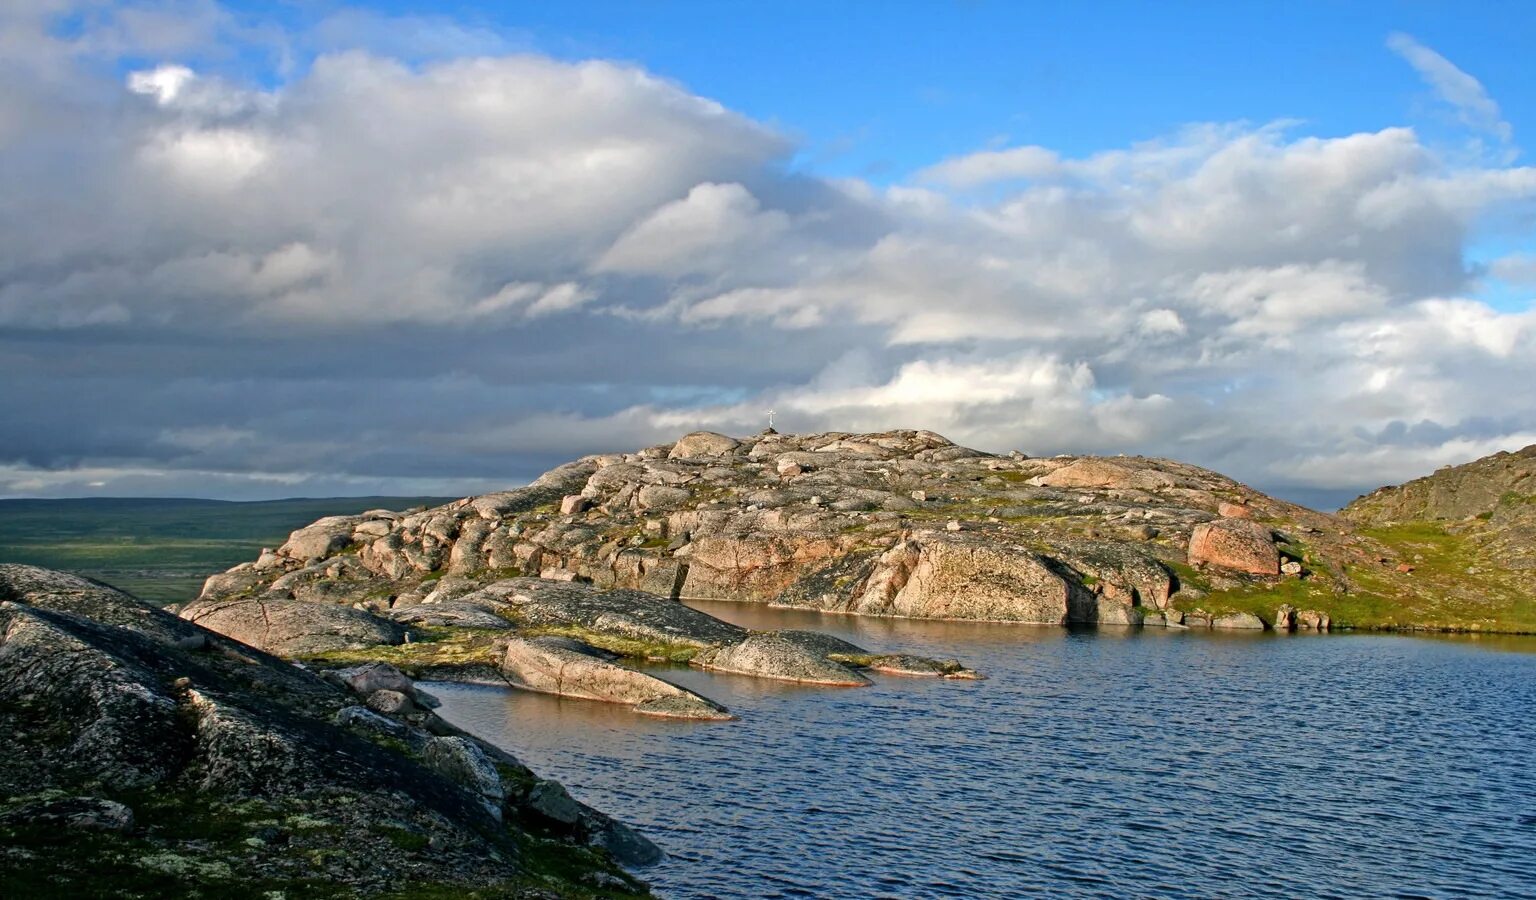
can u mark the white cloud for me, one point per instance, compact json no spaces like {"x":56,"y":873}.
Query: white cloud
{"x":413,"y":264}
{"x":1516,"y":268}
{"x":715,"y":224}
{"x":988,"y":166}
{"x":1162,"y":321}
{"x":1285,"y":300}
{"x":164,"y":83}
{"x":1466,"y":94}
{"x":1357,"y":465}
{"x":560,"y":298}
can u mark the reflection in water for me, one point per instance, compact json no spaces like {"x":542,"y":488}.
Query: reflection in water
{"x":1109,"y":763}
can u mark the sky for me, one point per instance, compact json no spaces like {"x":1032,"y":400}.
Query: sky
{"x":318,"y":249}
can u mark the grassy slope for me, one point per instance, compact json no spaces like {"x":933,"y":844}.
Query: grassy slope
{"x":161,"y":549}
{"x":1453,"y":587}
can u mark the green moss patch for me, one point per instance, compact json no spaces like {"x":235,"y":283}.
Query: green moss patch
{"x":431,"y":646}
{"x":634,"y":648}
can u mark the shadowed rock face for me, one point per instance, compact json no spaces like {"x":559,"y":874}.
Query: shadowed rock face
{"x":184,"y":746}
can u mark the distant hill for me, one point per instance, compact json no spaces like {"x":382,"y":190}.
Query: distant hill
{"x":162,"y":548}
{"x":1492,"y":487}
{"x":1486,"y":507}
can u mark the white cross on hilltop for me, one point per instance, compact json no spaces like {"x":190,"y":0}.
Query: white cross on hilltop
{"x":770,"y":418}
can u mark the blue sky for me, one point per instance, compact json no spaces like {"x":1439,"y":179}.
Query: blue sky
{"x":878,"y":90}
{"x":306,"y":248}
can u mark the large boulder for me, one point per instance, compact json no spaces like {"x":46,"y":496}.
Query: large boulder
{"x":1239,"y":621}
{"x":662,"y":496}
{"x":464,"y":762}
{"x":321,"y":539}
{"x":1099,"y":473}
{"x":951,"y":576}
{"x":753,"y":566}
{"x":1238,"y":544}
{"x":294,"y":627}
{"x":555,"y":666}
{"x":702,"y":444}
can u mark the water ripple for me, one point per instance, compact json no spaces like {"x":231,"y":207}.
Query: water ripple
{"x":1090,"y":764}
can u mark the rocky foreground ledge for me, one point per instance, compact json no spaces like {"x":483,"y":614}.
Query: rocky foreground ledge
{"x":149,"y":757}
{"x":567,"y":584}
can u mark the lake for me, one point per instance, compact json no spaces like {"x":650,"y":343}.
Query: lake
{"x":1109,"y":763}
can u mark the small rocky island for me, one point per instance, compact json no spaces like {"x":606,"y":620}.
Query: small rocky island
{"x":566,"y":584}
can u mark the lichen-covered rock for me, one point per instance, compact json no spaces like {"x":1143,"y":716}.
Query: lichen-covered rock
{"x":1098,"y":473}
{"x":1124,"y":574}
{"x":116,"y":728}
{"x":662,"y":496}
{"x":946,"y":576}
{"x":390,"y":702}
{"x":1238,"y":622}
{"x":101,"y":603}
{"x":702,"y":444}
{"x":780,"y":657}
{"x":625,"y":613}
{"x":464,"y":762}
{"x":1484,"y":486}
{"x":551,"y":800}
{"x":323,"y":538}
{"x":1238,"y":544}
{"x":1102,"y":609}
{"x":293,"y":627}
{"x":752,"y":566}
{"x":188,"y":751}
{"x":554,"y":667}
{"x":452,"y":613}
{"x":1313,"y":620}
{"x":370,"y":677}
{"x":85,"y":813}
{"x":920,"y":667}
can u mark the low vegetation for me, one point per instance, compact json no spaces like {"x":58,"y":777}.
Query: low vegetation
{"x":161,"y":549}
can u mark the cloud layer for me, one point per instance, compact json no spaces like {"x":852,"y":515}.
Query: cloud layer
{"x":379,"y":275}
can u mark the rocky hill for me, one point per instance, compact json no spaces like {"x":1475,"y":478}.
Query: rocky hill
{"x":1470,"y":530}
{"x":589,"y":559}
{"x":149,"y":757}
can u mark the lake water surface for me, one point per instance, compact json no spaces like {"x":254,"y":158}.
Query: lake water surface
{"x":1110,"y":763}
